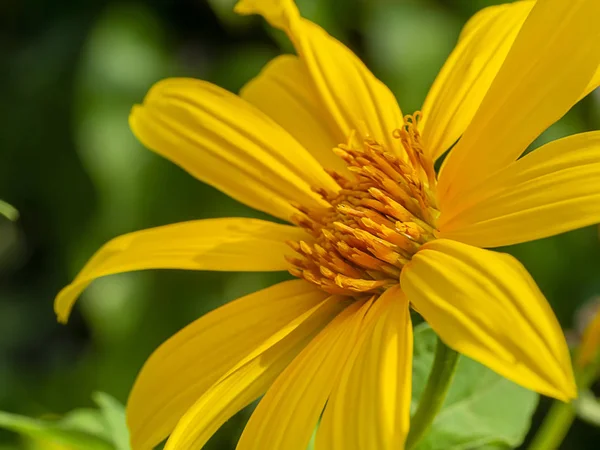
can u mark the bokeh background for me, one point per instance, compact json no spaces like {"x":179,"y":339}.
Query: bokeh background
{"x":71,"y":71}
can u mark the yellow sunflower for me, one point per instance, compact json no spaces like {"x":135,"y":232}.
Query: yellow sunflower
{"x":375,"y":229}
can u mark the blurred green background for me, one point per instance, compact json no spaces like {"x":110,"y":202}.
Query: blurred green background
{"x":69,"y":164}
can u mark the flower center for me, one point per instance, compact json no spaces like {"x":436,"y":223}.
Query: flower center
{"x":384,"y":211}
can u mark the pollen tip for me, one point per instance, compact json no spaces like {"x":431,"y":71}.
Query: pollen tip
{"x":294,"y":245}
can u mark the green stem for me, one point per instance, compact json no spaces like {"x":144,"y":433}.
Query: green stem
{"x":561,"y":415}
{"x":555,"y":427}
{"x":438,"y":383}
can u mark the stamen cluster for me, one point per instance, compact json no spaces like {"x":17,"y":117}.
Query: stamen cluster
{"x":384,"y":211}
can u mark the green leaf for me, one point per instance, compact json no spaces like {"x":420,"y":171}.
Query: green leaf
{"x":482,"y":409}
{"x":78,"y":430}
{"x":113,"y":413}
{"x":86,"y":420}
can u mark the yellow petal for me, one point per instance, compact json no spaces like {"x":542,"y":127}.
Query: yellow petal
{"x":214,"y":244}
{"x":184,"y":367}
{"x":284,"y":91}
{"x":226,"y":142}
{"x":370,"y":404}
{"x":467,"y":74}
{"x":250,"y":378}
{"x":352,"y":97}
{"x":548,"y":67}
{"x":553,"y":189}
{"x":288,"y":413}
{"x":484,"y":304}
{"x":593,"y":84}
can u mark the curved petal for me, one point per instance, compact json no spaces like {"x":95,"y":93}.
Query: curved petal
{"x":250,"y":378}
{"x":249,"y":245}
{"x":354,"y":99}
{"x":226,"y":142}
{"x":286,"y":416}
{"x":370,"y":405}
{"x":184,"y":367}
{"x":284,"y":92}
{"x":484,"y":304}
{"x":593,"y":84}
{"x":549,"y":65}
{"x":467,"y":74}
{"x":553,"y":189}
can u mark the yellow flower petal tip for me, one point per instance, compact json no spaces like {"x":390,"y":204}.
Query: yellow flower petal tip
{"x":565,"y":392}
{"x":276,"y":12}
{"x":63,"y":304}
{"x":565,"y":389}
{"x":510,"y":328}
{"x":571,"y":392}
{"x":228,"y":244}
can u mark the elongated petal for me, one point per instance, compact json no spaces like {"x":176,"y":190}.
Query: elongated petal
{"x":250,"y":378}
{"x":553,"y":189}
{"x":354,"y":99}
{"x":466,"y":77}
{"x":288,"y":413}
{"x":549,"y":66}
{"x":226,"y":142}
{"x":484,"y":304}
{"x":284,"y":91}
{"x":593,"y":84}
{"x":183,"y":368}
{"x":370,"y":405}
{"x":214,"y":244}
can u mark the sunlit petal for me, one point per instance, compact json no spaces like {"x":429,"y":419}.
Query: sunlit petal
{"x":484,"y":304}
{"x":553,"y":189}
{"x":288,"y":413}
{"x":250,"y":378}
{"x":470,"y":69}
{"x":354,"y":99}
{"x":370,"y":404}
{"x":213,"y":244}
{"x":223,"y":140}
{"x":549,"y":66}
{"x":284,"y":92}
{"x":183,"y":368}
{"x":593,"y":84}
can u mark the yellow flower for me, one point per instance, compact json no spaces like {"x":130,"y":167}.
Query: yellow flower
{"x":375,"y":228}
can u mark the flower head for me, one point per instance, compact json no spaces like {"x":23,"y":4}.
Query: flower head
{"x":377,"y":219}
{"x":375,"y":231}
